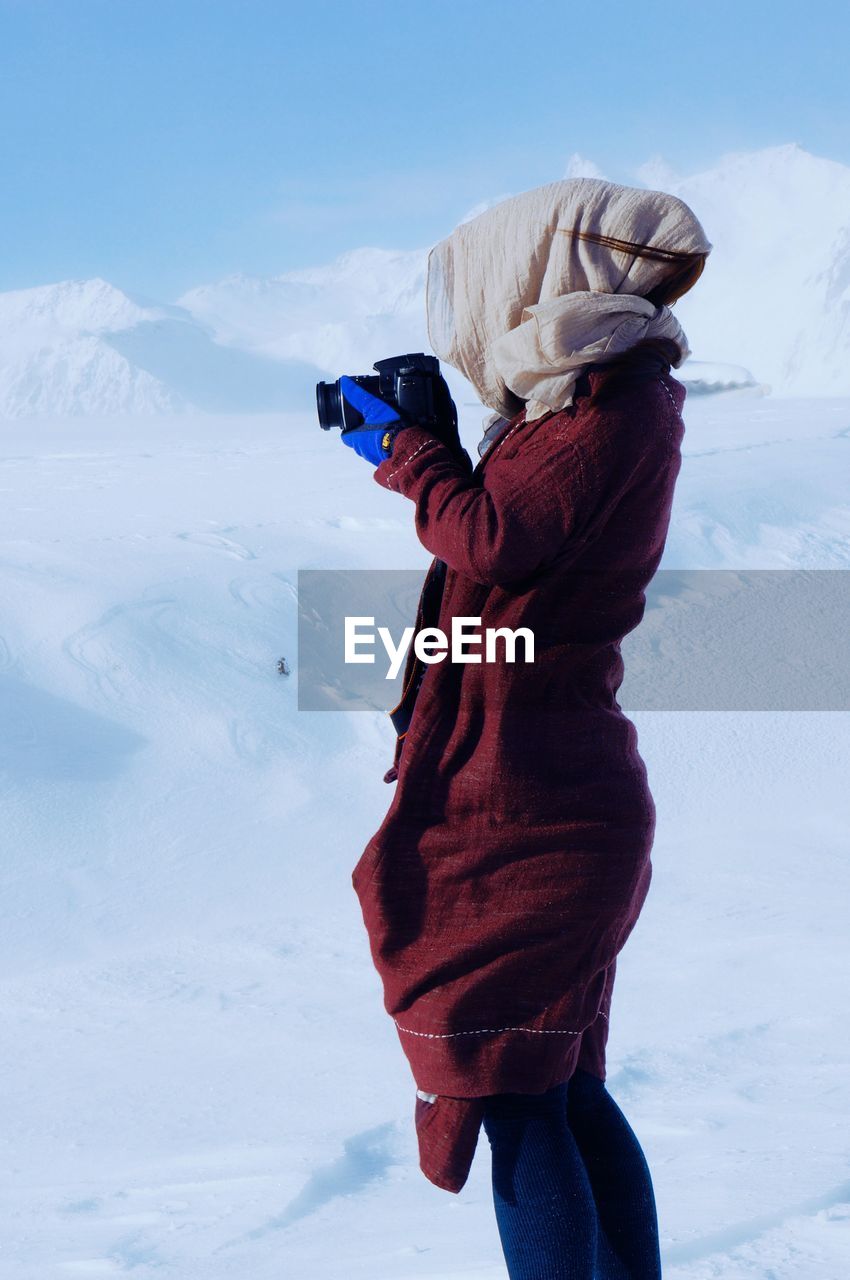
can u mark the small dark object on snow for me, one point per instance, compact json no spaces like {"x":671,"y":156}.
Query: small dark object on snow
{"x":282,"y":667}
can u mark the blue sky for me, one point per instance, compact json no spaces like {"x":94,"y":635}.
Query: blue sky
{"x":161,"y":145}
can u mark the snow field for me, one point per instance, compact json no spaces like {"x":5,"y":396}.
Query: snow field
{"x":198,"y":1077}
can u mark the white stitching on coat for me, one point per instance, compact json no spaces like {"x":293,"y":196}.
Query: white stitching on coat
{"x":486,"y":1031}
{"x":670,"y":394}
{"x":501,"y":440}
{"x":424,"y":445}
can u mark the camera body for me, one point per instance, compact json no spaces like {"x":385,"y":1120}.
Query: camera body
{"x":412,"y":384}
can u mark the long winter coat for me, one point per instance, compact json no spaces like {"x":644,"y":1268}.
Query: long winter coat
{"x":515,"y":856}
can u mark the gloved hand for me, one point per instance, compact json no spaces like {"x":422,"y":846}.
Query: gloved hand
{"x":446,"y":429}
{"x":373,"y":439}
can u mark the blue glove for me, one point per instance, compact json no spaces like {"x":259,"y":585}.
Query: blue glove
{"x":373,"y":440}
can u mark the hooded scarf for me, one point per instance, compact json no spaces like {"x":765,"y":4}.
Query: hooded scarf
{"x":520,"y":305}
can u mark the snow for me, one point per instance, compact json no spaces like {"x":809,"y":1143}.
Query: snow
{"x":774,"y":295}
{"x":774,"y":302}
{"x":335,"y":316}
{"x":706,"y":377}
{"x":198,"y":1077}
{"x":85,"y":348}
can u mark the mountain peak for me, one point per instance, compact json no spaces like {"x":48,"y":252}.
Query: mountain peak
{"x":772,"y":298}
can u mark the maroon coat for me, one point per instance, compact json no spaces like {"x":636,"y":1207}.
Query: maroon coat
{"x":515,"y":855}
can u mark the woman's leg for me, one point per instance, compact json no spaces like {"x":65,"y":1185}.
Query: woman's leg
{"x":620,"y":1180}
{"x":541,"y":1193}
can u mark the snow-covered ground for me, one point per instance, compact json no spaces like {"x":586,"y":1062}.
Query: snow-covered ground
{"x":198,"y":1079}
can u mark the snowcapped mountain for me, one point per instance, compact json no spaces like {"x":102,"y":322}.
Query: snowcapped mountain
{"x":56,"y":356}
{"x":775,"y":294}
{"x":83,"y":347}
{"x":342,"y":316}
{"x":772,"y":308}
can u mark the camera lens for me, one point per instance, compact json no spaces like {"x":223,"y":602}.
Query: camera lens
{"x":329,"y":405}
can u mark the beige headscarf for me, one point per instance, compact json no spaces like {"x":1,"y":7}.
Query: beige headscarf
{"x":519,"y":306}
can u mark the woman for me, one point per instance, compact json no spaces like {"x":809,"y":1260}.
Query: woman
{"x":515,"y":855}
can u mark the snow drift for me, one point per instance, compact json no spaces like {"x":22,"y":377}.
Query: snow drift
{"x":199,"y":1080}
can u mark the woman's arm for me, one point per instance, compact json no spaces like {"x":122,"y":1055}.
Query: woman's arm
{"x":527,"y":506}
{"x":497,"y":528}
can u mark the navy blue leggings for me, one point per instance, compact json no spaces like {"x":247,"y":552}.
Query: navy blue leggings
{"x":571,"y":1187}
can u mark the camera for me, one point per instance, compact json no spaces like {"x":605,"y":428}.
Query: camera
{"x":412,"y":384}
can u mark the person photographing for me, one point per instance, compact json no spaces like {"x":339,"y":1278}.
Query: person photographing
{"x":514,"y":858}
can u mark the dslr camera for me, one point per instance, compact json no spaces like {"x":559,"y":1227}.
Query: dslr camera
{"x":412,"y":384}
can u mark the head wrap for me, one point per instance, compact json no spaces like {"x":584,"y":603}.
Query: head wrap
{"x":519,"y":304}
